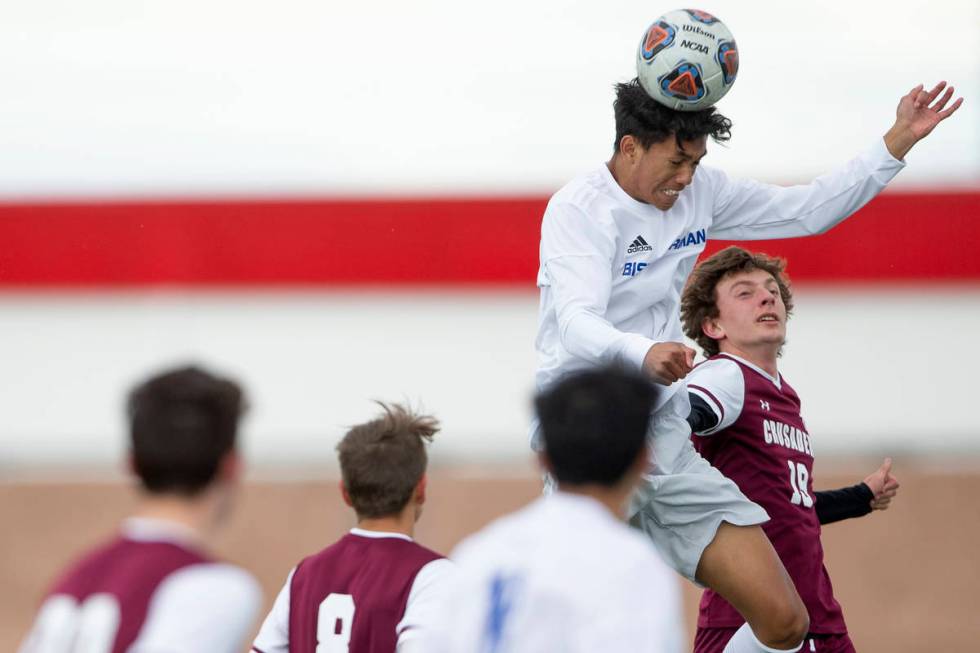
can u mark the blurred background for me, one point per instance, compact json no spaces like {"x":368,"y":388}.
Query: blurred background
{"x":335,"y":202}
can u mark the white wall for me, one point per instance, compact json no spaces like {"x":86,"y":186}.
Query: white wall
{"x":128,"y":97}
{"x":878,"y":371}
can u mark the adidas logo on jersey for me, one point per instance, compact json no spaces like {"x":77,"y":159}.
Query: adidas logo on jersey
{"x":639,"y":244}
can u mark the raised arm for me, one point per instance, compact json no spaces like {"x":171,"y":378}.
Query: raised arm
{"x":750,"y":210}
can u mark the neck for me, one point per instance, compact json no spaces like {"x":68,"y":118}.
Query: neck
{"x":763,"y":356}
{"x":403,"y":522}
{"x":619,"y":174}
{"x":613,"y":498}
{"x":196,"y":514}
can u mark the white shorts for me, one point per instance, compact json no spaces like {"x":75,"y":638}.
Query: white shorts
{"x":683,"y":499}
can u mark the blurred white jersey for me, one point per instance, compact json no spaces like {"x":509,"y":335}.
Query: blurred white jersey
{"x":612,"y":269}
{"x":561,"y":574}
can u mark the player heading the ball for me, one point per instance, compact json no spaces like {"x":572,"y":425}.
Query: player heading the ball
{"x":617,"y":246}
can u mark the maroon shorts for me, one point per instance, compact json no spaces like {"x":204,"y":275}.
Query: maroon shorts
{"x":713,"y":640}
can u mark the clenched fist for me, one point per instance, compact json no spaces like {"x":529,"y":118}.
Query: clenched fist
{"x":667,"y":362}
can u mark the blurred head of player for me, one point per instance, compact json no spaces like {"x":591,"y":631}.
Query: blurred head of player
{"x":382,"y":465}
{"x":594,"y":428}
{"x":738,"y":302}
{"x":183,"y":426}
{"x":657,"y":149}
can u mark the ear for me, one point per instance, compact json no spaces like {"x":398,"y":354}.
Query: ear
{"x":231,"y":468}
{"x":712,"y":328}
{"x":628,"y":147}
{"x":543,"y":462}
{"x":420,"y":490}
{"x":344,"y":494}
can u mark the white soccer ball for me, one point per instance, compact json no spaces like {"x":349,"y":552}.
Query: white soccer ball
{"x":687,"y":60}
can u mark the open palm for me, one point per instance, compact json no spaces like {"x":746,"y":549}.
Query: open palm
{"x":921,"y":112}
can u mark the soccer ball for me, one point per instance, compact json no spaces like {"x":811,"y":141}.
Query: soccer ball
{"x":687,"y":60}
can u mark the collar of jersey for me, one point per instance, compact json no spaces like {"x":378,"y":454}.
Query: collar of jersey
{"x":155,"y":529}
{"x":778,"y":381}
{"x":379,"y":534}
{"x":581,"y":503}
{"x":625,"y":197}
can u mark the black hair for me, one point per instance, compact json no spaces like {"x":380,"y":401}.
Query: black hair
{"x":594,"y":425}
{"x":649,"y":122}
{"x":182,"y":423}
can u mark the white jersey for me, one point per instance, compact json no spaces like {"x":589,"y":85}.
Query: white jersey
{"x":149,"y":590}
{"x":612,"y":269}
{"x":561,"y":574}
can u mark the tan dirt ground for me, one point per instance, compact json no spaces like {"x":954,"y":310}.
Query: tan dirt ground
{"x":907,"y":578}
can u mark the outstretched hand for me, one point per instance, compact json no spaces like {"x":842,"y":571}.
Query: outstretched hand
{"x":883,"y":485}
{"x":917,"y":115}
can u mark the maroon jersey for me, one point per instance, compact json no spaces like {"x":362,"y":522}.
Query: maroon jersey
{"x":122,"y":577}
{"x":766,"y":451}
{"x":355,"y":590}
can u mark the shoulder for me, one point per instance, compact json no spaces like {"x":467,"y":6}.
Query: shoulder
{"x":719,"y":381}
{"x":718,"y":373}
{"x":201,"y":583}
{"x":497,"y":539}
{"x":204,"y":607}
{"x":584,"y":199}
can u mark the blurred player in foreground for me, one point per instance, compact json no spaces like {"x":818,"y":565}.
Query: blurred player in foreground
{"x":617,"y":245}
{"x":566,"y":573}
{"x":371,"y":591}
{"x":747,"y":423}
{"x":153,"y":587}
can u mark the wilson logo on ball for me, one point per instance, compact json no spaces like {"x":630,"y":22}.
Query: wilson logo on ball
{"x":660,"y":35}
{"x":702,"y":16}
{"x":728,"y":60}
{"x":684,"y":82}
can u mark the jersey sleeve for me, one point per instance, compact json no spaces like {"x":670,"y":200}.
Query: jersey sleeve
{"x":750,"y":210}
{"x":425,"y":604}
{"x":576,"y":259}
{"x":200,"y":609}
{"x":273,"y":636}
{"x":719,"y":382}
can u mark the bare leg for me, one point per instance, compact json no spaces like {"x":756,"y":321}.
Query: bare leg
{"x":741,"y":565}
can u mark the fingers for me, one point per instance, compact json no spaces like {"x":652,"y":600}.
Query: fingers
{"x":950,"y":111}
{"x":886,"y":466}
{"x":914,"y":93}
{"x":938,"y":106}
{"x":924,"y":99}
{"x":689,"y":355}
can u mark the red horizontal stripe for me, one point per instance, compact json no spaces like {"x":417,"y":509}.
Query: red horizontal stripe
{"x":897,"y":237}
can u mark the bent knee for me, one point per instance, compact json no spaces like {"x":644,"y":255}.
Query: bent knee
{"x":784,"y":627}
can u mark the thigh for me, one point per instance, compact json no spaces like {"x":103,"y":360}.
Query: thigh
{"x":741,"y":565}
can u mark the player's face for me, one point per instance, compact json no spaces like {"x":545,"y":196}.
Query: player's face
{"x":663,"y":170}
{"x":751,"y":312}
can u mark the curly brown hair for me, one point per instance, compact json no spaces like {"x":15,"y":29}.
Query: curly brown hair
{"x":699,"y":301}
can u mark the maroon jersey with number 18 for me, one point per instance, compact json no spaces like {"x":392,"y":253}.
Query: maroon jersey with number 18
{"x":762,"y":444}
